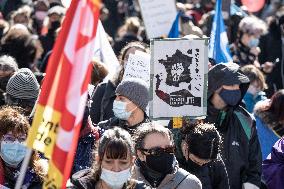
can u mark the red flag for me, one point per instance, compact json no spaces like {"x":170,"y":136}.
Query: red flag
{"x":61,"y":104}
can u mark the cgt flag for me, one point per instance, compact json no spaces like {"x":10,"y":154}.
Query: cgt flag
{"x":61,"y":104}
{"x":219,"y":45}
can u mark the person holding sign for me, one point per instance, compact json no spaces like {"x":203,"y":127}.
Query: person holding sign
{"x":13,"y":134}
{"x":129,"y":106}
{"x":113,"y":166}
{"x":104,"y":95}
{"x":156,"y":163}
{"x":240,"y":149}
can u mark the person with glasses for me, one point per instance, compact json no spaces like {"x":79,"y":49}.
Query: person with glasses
{"x":200,"y":148}
{"x":13,"y":134}
{"x":156,"y":163}
{"x":113,"y":166}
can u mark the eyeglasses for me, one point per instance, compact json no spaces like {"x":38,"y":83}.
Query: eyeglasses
{"x":157,"y":151}
{"x":11,"y":138}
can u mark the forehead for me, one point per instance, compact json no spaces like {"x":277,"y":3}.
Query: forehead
{"x":156,"y":140}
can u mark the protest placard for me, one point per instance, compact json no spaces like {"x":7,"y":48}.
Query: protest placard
{"x":179,"y":70}
{"x":138,"y":66}
{"x":158,"y":16}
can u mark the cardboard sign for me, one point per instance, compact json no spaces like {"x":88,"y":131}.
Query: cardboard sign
{"x":158,"y":16}
{"x":179,"y":77}
{"x":138,"y":66}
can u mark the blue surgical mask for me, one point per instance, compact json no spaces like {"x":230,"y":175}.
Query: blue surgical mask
{"x":253,"y":42}
{"x":119,"y":110}
{"x":231,"y":97}
{"x":115,"y":180}
{"x":12,"y":153}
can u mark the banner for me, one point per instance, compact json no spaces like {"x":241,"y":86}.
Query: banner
{"x":179,"y":77}
{"x":158,"y":16}
{"x":62,"y":100}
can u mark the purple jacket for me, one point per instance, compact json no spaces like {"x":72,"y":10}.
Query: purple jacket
{"x":273,"y":166}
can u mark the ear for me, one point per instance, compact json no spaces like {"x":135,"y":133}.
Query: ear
{"x":184,"y":149}
{"x":141,"y":156}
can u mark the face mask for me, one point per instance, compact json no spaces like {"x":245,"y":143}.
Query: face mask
{"x":253,"y":90}
{"x":163,"y":163}
{"x":253,"y":42}
{"x":119,"y":110}
{"x":54,"y":26}
{"x":115,"y":180}
{"x":191,"y":165}
{"x":231,"y":97}
{"x":12,"y":153}
{"x":40,"y":15}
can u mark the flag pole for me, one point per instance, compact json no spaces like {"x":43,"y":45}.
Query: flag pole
{"x":24,"y":168}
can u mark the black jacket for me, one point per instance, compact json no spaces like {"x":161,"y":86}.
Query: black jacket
{"x":102,"y":102}
{"x":84,"y":179}
{"x":240,"y":149}
{"x":114,"y":121}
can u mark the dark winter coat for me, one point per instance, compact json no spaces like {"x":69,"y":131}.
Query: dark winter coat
{"x":102,"y":102}
{"x":85,"y":180}
{"x":240,"y":149}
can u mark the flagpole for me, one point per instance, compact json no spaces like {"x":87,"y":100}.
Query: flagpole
{"x":24,"y":168}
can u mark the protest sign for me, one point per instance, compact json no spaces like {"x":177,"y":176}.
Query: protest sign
{"x":179,"y":70}
{"x":158,"y":16}
{"x":138,"y":66}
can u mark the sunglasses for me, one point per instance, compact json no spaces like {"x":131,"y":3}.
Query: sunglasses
{"x":157,"y":151}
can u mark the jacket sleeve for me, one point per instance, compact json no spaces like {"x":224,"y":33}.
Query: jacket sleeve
{"x":253,"y":174}
{"x":219,"y":175}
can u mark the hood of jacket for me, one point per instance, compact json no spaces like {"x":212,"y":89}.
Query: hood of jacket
{"x":226,"y":74}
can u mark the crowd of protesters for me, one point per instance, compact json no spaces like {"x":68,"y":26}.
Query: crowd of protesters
{"x":239,"y":145}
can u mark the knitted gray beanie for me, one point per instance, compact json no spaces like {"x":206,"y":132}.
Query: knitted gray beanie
{"x":135,"y":90}
{"x":23,"y":85}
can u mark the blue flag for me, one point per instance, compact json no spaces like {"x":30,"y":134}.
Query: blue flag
{"x":174,"y":33}
{"x":219,"y":45}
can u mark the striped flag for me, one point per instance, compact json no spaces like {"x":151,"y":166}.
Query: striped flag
{"x":61,"y":104}
{"x":219,"y":45}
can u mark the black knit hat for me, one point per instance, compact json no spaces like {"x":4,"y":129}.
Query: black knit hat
{"x":135,"y":90}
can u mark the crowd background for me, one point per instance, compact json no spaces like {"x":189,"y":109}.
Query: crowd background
{"x":239,"y":144}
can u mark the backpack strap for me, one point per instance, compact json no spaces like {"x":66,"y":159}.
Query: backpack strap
{"x":181,"y":175}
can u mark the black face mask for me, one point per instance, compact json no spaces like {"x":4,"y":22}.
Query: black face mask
{"x":3,"y":83}
{"x":192,"y":166}
{"x":54,"y":26}
{"x":164,"y":163}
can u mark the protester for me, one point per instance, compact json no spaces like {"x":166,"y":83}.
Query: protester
{"x":270,"y":57}
{"x":132,"y":26}
{"x":270,"y":121}
{"x":55,"y":17}
{"x":245,"y":50}
{"x":22,"y":90}
{"x":256,"y":88}
{"x":8,"y":66}
{"x":104,"y":95}
{"x":201,"y":148}
{"x":129,"y":106}
{"x":112,"y":166}
{"x":156,"y":164}
{"x":13,"y":133}
{"x":240,"y":149}
{"x":273,"y":166}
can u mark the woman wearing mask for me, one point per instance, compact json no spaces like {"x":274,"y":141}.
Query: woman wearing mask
{"x":269,"y":117}
{"x":13,"y":133}
{"x":245,"y":50}
{"x":113,"y":166}
{"x":104,"y":95}
{"x":200,"y":148}
{"x":156,"y":163}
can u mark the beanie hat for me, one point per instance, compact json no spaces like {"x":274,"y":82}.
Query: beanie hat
{"x":135,"y":90}
{"x":23,"y":85}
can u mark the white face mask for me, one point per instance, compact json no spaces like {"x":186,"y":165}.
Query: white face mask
{"x":115,"y":180}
